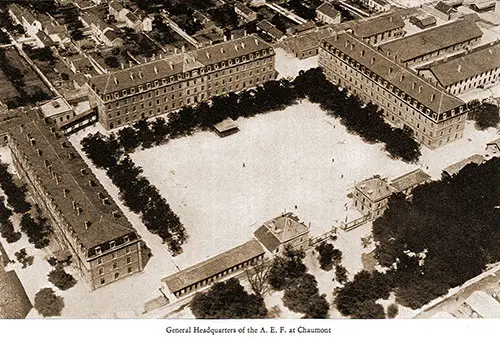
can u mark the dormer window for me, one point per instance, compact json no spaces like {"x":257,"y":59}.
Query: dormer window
{"x":126,"y":239}
{"x":112,"y":244}
{"x":157,"y":83}
{"x":98,"y":250}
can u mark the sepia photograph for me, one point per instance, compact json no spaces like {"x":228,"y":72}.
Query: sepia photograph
{"x":279,"y":160}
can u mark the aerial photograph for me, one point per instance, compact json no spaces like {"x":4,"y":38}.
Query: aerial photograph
{"x":249,"y":159}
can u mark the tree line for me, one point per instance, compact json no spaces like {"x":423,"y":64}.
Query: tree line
{"x":444,"y":236}
{"x":138,"y":194}
{"x":16,"y":197}
{"x":363,"y":120}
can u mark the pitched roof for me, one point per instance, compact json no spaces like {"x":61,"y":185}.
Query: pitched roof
{"x":82,"y":186}
{"x":213,"y":266}
{"x":431,"y":40}
{"x":116,"y":6}
{"x":444,"y":7}
{"x":266,"y":238}
{"x":409,"y":180}
{"x":132,"y":17}
{"x":308,"y":40}
{"x":375,"y":188}
{"x":484,"y":305}
{"x":44,"y":38}
{"x":228,"y":50}
{"x":286,"y":227}
{"x":308,"y":25}
{"x":433,"y":97}
{"x":373,"y":26}
{"x":140,"y":74}
{"x":465,"y":66}
{"x":455,"y":168}
{"x":14,"y":302}
{"x":495,"y":142}
{"x":243,"y":8}
{"x":270,"y":29}
{"x":328,"y":10}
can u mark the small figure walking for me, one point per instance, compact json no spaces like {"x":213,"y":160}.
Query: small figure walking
{"x":333,"y":159}
{"x":243,"y":164}
{"x":295,"y":206}
{"x":342,"y":176}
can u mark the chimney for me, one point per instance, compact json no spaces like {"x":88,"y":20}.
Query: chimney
{"x":390,"y":71}
{"x":390,"y":19}
{"x":256,"y":41}
{"x":56,"y":177}
{"x":115,"y":79}
{"x":129,"y":64}
{"x":236,"y":47}
{"x":171,"y":65}
{"x":92,"y":183}
{"x":352,"y":47}
{"x":79,"y":211}
{"x":243,"y":45}
{"x":154,"y":57}
{"x":140,"y":74}
{"x":401,"y":79}
{"x":87,"y":224}
{"x":156,"y":70}
{"x":419,"y":89}
{"x":21,"y":128}
{"x":208,"y":55}
{"x":221,"y":50}
{"x":336,"y":36}
{"x":346,"y":43}
{"x":46,"y":163}
{"x":116,"y":214}
{"x":65,"y":192}
{"x":32,"y":142}
{"x":83,"y":172}
{"x":373,"y":60}
{"x":74,"y":205}
{"x":131,"y":75}
{"x":362,"y":53}
{"x":39,"y":152}
{"x":121,"y":64}
{"x":459,"y":67}
{"x":105,"y":200}
{"x":160,"y":56}
{"x":413,"y":85}
{"x":433,"y":97}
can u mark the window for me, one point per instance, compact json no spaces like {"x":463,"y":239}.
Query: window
{"x":129,"y":260}
{"x":114,"y":255}
{"x":127,"y":250}
{"x":101,"y":271}
{"x":129,"y":270}
{"x":103,"y":281}
{"x":112,"y":244}
{"x":115,"y":266}
{"x":117,"y":275}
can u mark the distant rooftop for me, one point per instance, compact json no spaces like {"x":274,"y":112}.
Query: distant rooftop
{"x":410,"y":179}
{"x":455,"y":168}
{"x":373,"y":26}
{"x":375,"y":188}
{"x":431,"y":40}
{"x":55,"y":107}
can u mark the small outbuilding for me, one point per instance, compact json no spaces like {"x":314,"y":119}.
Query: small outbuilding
{"x":225,"y":127}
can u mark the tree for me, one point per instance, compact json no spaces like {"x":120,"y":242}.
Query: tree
{"x":8,"y":233}
{"x":37,"y":232}
{"x":299,"y":291}
{"x":341,"y":274}
{"x":47,"y":303}
{"x":286,"y":268}
{"x":228,"y":300}
{"x":486,"y":115}
{"x":112,"y":62}
{"x":24,"y":258}
{"x":369,"y":310}
{"x":128,"y":139}
{"x":318,"y":307}
{"x":392,"y":311}
{"x":257,"y":277}
{"x":327,"y":254}
{"x":61,"y":279}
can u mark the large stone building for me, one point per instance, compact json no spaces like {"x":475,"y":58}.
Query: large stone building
{"x":469,"y":70}
{"x":164,"y":85}
{"x":379,"y":29}
{"x":87,"y":223}
{"x":438,"y":41}
{"x":431,"y":115}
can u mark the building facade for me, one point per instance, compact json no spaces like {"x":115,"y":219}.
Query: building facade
{"x":87,"y":223}
{"x":472,"y":69}
{"x":168,"y":84}
{"x":328,"y":14}
{"x":427,"y":112}
{"x":379,"y":29}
